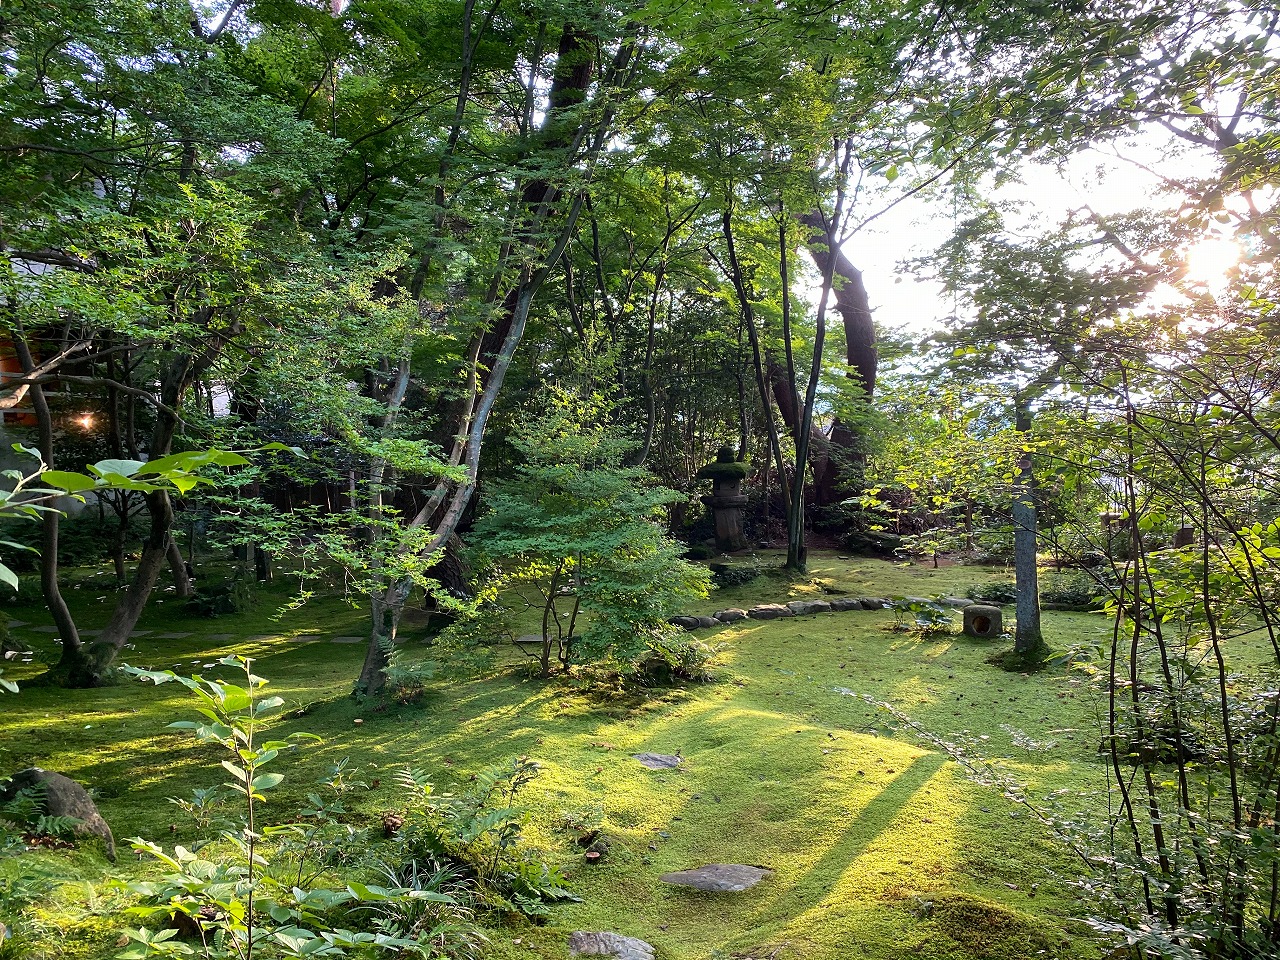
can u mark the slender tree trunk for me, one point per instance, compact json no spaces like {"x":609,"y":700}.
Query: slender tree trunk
{"x":1028,"y":638}
{"x":178,"y":567}
{"x":49,"y":520}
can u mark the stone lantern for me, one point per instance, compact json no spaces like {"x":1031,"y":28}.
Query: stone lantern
{"x":726,"y":499}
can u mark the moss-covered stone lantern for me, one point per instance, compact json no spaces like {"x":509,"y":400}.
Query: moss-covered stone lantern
{"x":726,"y":499}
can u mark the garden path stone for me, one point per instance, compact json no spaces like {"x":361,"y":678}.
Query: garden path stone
{"x":43,"y":629}
{"x":956,"y":601}
{"x":347,"y":640}
{"x":841,"y":604}
{"x":705,"y":622}
{"x":170,"y":636}
{"x":305,"y":638}
{"x":873,"y":603}
{"x":659,"y":761}
{"x":802,"y":607}
{"x":768,"y":611}
{"x":221,"y":637}
{"x":583,"y":943}
{"x":14,"y":624}
{"x":732,"y":615}
{"x":141,"y":633}
{"x":689,"y":623}
{"x":718,"y":877}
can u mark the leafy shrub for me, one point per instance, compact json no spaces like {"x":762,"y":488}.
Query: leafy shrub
{"x":478,"y":835}
{"x":727,"y":575}
{"x":679,"y":655}
{"x":918,"y":615}
{"x":1000,"y":592}
{"x":234,"y":595}
{"x":1072,"y":589}
{"x":262,"y":887}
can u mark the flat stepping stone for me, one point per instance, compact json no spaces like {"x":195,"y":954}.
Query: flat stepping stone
{"x":221,"y":637}
{"x":141,"y":633}
{"x":530,"y":639}
{"x":304,"y":638}
{"x":659,"y":761}
{"x":718,"y":877}
{"x":179,"y":635}
{"x":732,"y":615}
{"x":261,"y":637}
{"x":346,"y":639}
{"x":841,"y":604}
{"x":45,"y":629}
{"x":583,"y":943}
{"x":688,"y":623}
{"x":14,"y":624}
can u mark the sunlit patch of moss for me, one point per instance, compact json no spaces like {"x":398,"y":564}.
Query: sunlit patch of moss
{"x":782,"y":768}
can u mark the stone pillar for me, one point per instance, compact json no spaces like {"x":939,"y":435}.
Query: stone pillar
{"x":726,"y":503}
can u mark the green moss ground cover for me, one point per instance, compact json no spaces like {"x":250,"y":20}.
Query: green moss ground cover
{"x":881,"y":846}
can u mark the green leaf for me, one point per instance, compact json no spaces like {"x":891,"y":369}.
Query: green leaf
{"x":265,"y":781}
{"x":65,"y":480}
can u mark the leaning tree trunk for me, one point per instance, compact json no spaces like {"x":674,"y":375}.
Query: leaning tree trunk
{"x":90,"y":666}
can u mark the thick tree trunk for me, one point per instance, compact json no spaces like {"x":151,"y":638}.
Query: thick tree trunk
{"x":854,"y":307}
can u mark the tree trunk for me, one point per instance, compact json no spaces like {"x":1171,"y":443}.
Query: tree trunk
{"x":178,"y":567}
{"x":49,"y":520}
{"x":1028,"y":637}
{"x":386,"y":612}
{"x":854,"y":306}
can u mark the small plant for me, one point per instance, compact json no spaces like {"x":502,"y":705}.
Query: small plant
{"x":918,"y":615}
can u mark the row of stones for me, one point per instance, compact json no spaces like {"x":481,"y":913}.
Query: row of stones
{"x":798,"y":608}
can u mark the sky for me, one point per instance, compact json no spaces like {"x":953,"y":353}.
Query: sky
{"x":918,"y":225}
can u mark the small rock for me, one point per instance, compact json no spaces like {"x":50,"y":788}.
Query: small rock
{"x":732,"y":615}
{"x":955,"y":601}
{"x":705,"y":622}
{"x":841,"y":604}
{"x":718,"y":877}
{"x":689,"y":623}
{"x":659,"y":761}
{"x":873,"y":603}
{"x":769,"y":611}
{"x":583,"y":943}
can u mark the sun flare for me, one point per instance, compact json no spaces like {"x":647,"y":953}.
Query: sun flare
{"x":1210,"y":263}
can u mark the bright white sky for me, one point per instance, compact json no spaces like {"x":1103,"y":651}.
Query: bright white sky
{"x":917,"y":226}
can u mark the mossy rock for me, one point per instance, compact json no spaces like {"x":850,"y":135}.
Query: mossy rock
{"x":988,"y":929}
